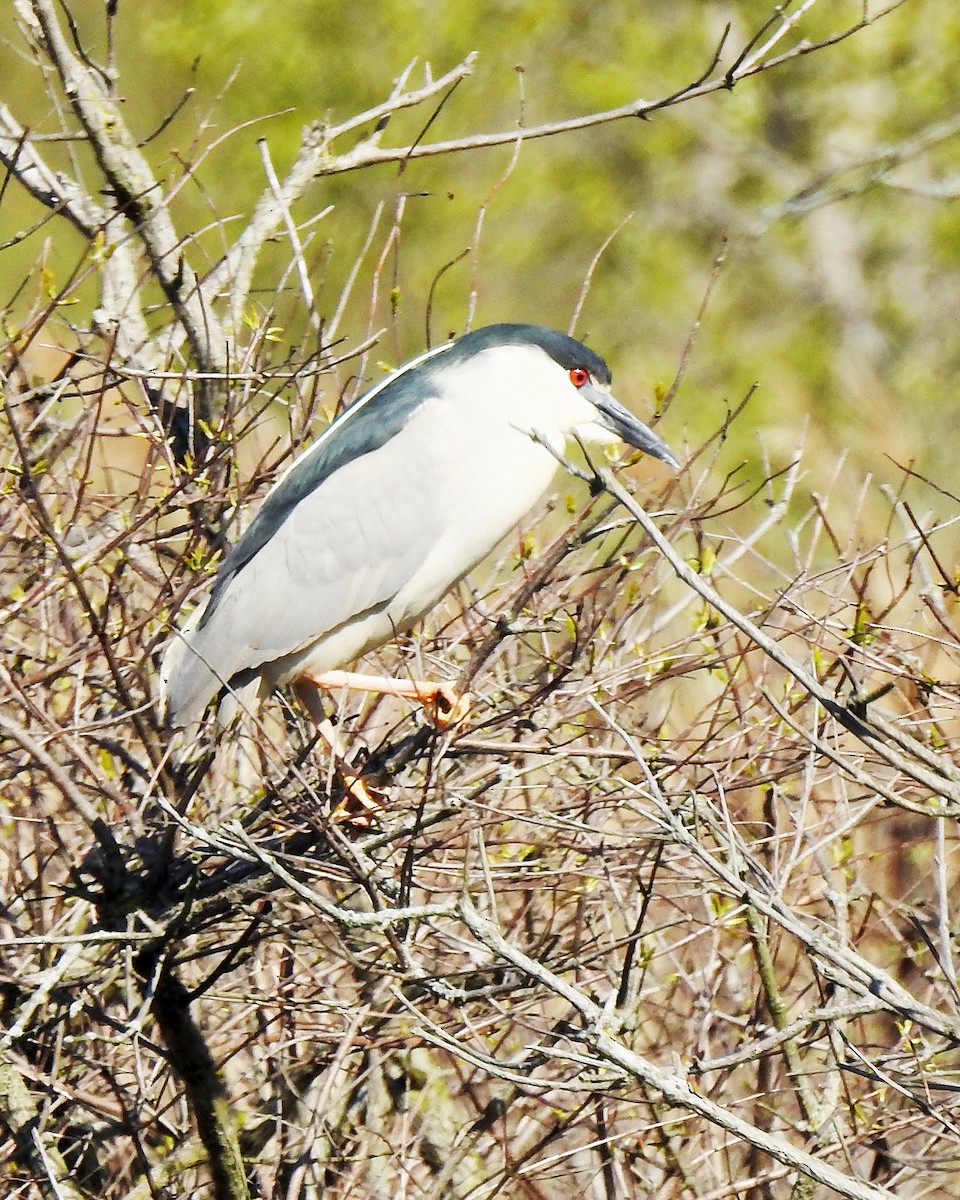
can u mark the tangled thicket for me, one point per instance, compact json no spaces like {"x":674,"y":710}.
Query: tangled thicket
{"x":667,"y":916}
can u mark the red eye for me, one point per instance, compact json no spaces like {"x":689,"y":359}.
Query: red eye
{"x":579,"y":376}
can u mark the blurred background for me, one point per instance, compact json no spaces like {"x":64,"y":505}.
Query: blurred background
{"x":831,"y":178}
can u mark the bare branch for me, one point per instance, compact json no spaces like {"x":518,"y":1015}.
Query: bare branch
{"x":673,"y":1087}
{"x":137,"y":192}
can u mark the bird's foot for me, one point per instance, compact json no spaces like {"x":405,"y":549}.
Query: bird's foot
{"x":443,"y":705}
{"x":360,"y":804}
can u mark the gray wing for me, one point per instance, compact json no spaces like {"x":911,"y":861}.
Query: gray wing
{"x":344,"y":550}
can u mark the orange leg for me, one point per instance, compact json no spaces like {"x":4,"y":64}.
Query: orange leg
{"x":363,"y":803}
{"x":442,"y":705}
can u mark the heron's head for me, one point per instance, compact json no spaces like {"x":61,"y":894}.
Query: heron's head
{"x":554,"y":387}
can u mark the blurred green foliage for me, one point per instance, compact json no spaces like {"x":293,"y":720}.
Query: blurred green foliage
{"x":844,"y":312}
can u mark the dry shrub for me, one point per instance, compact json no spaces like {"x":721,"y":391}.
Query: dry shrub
{"x":651,"y":809}
{"x":667,"y":916}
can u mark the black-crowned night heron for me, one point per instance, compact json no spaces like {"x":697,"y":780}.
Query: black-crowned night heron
{"x":392,"y":505}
